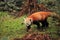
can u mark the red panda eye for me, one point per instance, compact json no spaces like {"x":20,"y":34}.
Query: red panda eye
{"x":30,"y":19}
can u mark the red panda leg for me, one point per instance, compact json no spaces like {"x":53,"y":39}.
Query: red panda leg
{"x":45,"y":24}
{"x":37,"y":23}
{"x":28,"y":28}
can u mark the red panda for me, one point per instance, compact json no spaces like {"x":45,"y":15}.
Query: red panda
{"x":38,"y":17}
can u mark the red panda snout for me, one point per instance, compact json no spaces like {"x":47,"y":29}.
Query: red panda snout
{"x":28,"y":21}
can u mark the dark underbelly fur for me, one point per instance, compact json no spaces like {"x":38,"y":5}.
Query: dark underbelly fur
{"x":44,"y":24}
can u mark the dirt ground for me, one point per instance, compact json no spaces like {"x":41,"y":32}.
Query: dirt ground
{"x":35,"y":36}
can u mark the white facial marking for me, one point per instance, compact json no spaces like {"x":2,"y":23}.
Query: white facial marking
{"x":27,"y":21}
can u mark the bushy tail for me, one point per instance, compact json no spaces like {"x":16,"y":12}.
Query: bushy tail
{"x":55,"y":15}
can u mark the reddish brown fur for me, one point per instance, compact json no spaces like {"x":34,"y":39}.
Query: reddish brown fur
{"x":40,"y":15}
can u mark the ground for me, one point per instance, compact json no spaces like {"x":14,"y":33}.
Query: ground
{"x":13,"y":28}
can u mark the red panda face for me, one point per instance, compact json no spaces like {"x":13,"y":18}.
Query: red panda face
{"x":28,"y":21}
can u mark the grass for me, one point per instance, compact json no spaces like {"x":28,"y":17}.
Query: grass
{"x":11,"y":28}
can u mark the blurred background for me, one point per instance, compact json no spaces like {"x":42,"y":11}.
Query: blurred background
{"x":12,"y":13}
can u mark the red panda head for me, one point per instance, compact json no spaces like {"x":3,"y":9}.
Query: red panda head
{"x":28,"y":21}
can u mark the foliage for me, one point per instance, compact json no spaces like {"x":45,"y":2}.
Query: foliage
{"x":10,"y":5}
{"x":16,"y":4}
{"x":51,"y":4}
